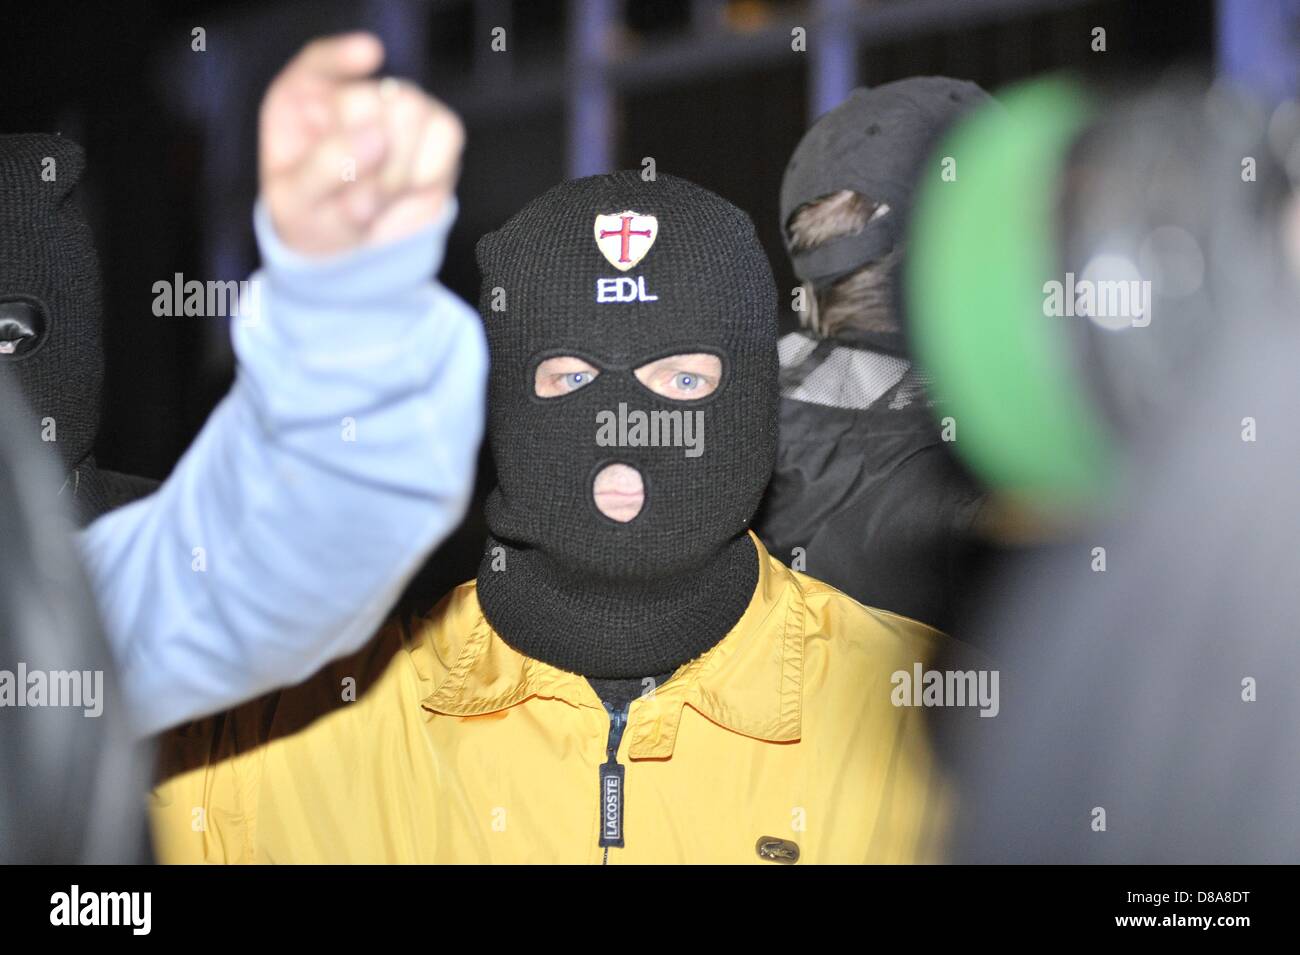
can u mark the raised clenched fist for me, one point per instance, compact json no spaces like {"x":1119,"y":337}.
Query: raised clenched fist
{"x":346,"y":160}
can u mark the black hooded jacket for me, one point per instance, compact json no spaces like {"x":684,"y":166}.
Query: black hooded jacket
{"x":866,"y":494}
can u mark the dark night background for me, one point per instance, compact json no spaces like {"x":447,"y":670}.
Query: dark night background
{"x":710,"y":89}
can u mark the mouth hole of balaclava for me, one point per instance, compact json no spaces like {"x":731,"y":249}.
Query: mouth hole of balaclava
{"x":22,"y":327}
{"x":618,"y":491}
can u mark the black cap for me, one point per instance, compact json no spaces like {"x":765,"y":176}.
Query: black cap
{"x":874,"y":143}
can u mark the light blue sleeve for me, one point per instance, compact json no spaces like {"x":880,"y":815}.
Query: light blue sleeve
{"x":342,"y":455}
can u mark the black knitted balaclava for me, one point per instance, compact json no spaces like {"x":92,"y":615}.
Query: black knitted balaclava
{"x":560,"y":581}
{"x":50,"y":318}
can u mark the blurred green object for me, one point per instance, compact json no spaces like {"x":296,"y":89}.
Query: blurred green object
{"x":983,"y":244}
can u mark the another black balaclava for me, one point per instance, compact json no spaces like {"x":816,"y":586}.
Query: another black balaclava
{"x":561,"y":582}
{"x":875,"y":143}
{"x":50,"y":318}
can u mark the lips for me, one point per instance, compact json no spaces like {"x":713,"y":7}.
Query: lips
{"x":619,"y":492}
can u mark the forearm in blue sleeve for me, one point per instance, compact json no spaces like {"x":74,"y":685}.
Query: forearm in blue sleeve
{"x":342,"y":455}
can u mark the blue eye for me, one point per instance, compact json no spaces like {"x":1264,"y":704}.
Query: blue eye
{"x":576,"y":379}
{"x":686,"y":382}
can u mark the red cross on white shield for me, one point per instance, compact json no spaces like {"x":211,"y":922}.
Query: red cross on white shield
{"x":625,"y":237}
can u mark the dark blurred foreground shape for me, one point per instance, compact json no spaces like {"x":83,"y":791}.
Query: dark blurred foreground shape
{"x":1125,"y":690}
{"x":1149,"y":703}
{"x":71,"y":786}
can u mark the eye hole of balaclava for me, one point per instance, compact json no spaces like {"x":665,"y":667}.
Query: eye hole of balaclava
{"x":22,"y":327}
{"x":685,"y":377}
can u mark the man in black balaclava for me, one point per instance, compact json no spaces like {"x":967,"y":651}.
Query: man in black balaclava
{"x":50,"y":313}
{"x":866,"y":494}
{"x":631,"y":678}
{"x":584,"y":591}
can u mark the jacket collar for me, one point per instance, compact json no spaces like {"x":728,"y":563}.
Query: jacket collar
{"x":750,"y":682}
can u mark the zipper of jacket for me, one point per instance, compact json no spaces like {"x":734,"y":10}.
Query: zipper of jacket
{"x":611,"y":782}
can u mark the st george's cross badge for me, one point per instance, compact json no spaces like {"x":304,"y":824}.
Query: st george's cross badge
{"x":625,"y":238}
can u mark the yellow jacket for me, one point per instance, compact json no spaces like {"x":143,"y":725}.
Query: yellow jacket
{"x":446,"y":745}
